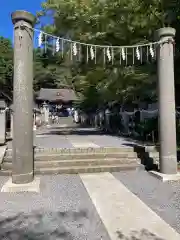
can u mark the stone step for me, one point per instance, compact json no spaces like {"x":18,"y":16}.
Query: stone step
{"x":78,"y":150}
{"x":87,"y":169}
{"x":79,"y":169}
{"x":74,"y":163}
{"x":58,"y":156}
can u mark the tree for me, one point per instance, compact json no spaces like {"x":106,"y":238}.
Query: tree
{"x":172,"y":9}
{"x":109,"y":23}
{"x":6,"y":66}
{"x":50,"y":71}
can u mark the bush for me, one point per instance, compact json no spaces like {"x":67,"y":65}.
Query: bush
{"x":148,"y":129}
{"x":150,"y":126}
{"x":115,"y":122}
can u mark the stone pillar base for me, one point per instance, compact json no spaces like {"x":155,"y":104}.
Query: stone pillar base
{"x":2,"y":142}
{"x":22,"y":178}
{"x":165,"y":177}
{"x":33,"y":186}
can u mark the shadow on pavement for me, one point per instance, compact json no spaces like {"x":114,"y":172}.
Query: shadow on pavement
{"x":37,"y":226}
{"x":76,"y":131}
{"x":144,"y":156}
{"x":56,"y":225}
{"x":135,"y":235}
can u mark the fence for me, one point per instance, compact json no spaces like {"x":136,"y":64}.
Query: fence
{"x":141,"y":124}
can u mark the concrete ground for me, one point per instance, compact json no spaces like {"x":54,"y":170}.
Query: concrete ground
{"x":93,"y":207}
{"x":62,"y":210}
{"x":128,"y":205}
{"x":60,"y":136}
{"x":74,"y":136}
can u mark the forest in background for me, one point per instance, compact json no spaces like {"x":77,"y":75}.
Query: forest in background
{"x":124,"y":22}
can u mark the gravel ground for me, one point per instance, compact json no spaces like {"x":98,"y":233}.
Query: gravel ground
{"x":63,"y":210}
{"x":163,"y":198}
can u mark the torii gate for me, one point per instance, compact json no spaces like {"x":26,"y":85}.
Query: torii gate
{"x":23,"y":155}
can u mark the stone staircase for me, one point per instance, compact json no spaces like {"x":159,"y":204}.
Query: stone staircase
{"x":78,"y":160}
{"x":149,"y":156}
{"x":153,"y":154}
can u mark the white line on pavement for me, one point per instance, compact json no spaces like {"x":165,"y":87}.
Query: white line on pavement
{"x":82,"y":143}
{"x":121,"y":211}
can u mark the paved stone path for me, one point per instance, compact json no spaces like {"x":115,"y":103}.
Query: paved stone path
{"x":71,"y":136}
{"x":81,"y":137}
{"x":122,"y":212}
{"x":93,"y":207}
{"x":124,"y":205}
{"x":61,"y":136}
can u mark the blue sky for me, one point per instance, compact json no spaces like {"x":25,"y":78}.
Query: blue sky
{"x":9,"y":6}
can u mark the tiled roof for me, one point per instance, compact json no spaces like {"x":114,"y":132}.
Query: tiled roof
{"x":63,"y":94}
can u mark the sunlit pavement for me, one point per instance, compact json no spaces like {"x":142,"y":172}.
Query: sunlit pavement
{"x":91,"y":206}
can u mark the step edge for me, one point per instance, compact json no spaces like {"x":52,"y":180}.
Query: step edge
{"x":82,"y":166}
{"x":101,"y":166}
{"x":78,"y":160}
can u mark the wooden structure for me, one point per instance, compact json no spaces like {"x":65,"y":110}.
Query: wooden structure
{"x":62,"y":96}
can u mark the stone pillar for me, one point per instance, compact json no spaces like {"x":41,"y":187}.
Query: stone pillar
{"x":34,"y":122}
{"x":2,"y":126}
{"x":22,"y":163}
{"x":11,"y":133}
{"x":167,"y":115}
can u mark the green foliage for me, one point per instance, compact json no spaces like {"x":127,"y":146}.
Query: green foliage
{"x":109,"y":23}
{"x":6,"y":66}
{"x":147,"y":127}
{"x":50,"y":71}
{"x":115,"y":22}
